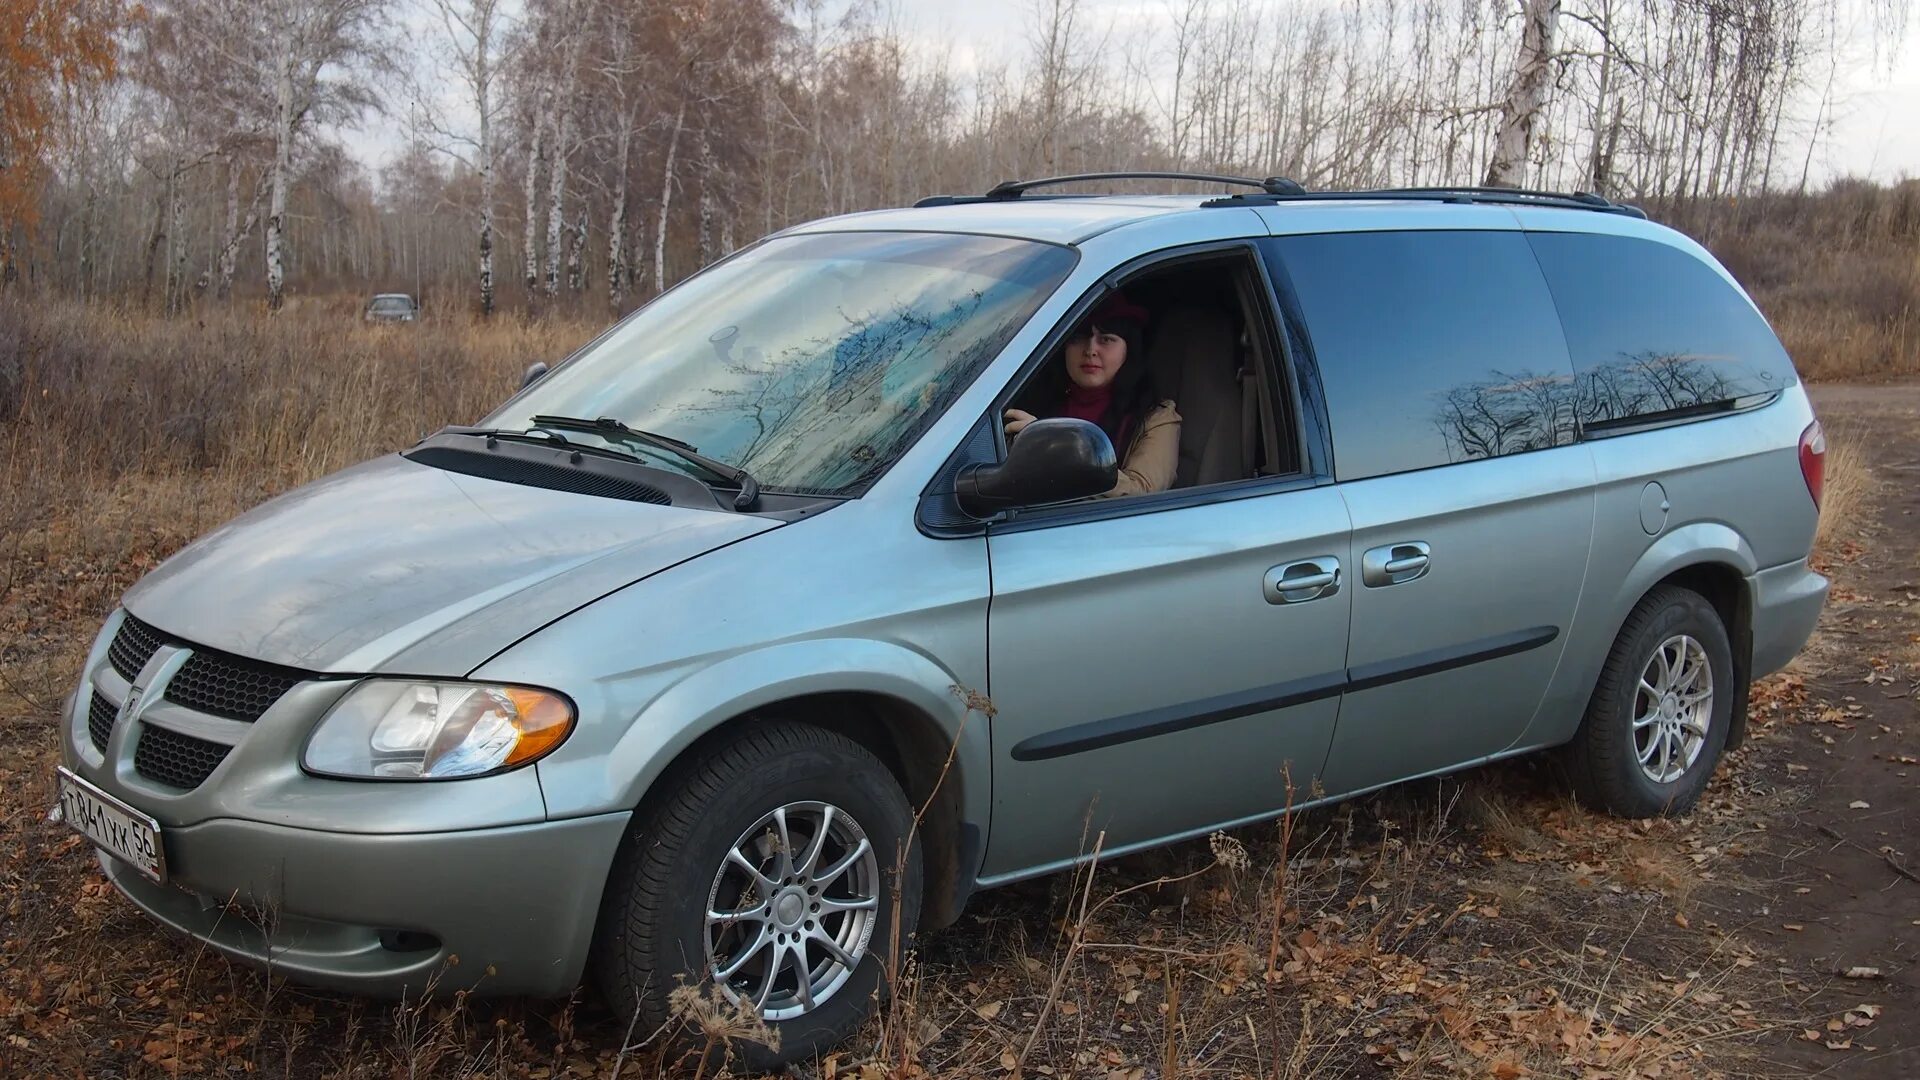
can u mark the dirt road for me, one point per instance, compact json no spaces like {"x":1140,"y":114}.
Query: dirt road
{"x":1843,"y":845}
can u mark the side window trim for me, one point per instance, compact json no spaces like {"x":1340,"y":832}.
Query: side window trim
{"x":1303,"y":367}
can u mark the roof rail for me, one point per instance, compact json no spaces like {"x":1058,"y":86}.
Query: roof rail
{"x":1580,"y":200}
{"x":1013,"y":189}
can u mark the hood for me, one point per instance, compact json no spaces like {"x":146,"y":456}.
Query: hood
{"x":392,"y":566}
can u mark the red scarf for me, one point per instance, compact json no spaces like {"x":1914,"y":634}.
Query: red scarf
{"x":1091,"y":406}
{"x":1084,"y":404}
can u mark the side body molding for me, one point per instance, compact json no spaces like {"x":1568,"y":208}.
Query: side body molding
{"x":716,"y":693}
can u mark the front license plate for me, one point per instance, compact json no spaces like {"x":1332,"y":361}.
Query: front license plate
{"x":113,"y":826}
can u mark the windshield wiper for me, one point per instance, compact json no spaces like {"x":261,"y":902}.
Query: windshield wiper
{"x":607,"y":426}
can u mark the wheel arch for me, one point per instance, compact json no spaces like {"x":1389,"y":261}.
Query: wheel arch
{"x":918,"y":718}
{"x":1716,"y":562}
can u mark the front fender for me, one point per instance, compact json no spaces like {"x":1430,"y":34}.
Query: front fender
{"x":712,"y":695}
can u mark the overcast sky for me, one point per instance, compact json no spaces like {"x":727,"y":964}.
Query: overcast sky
{"x":1878,"y":130}
{"x":1875,"y":123}
{"x":1873,"y":127}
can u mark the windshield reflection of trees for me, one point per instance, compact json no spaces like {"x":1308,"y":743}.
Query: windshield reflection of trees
{"x":1510,"y":413}
{"x":826,"y":411}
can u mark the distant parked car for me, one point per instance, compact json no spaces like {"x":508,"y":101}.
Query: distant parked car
{"x":392,"y":307}
{"x":746,"y":642}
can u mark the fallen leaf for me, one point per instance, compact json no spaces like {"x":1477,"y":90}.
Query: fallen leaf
{"x":1859,"y":804}
{"x":1862,"y":972}
{"x":1839,"y":1044}
{"x":1680,"y":920}
{"x":990,"y":1010}
{"x":1860,"y":1016}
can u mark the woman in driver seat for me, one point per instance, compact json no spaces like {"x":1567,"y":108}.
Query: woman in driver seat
{"x":1104,"y":378}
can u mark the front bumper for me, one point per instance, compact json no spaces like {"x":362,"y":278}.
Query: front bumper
{"x":497,"y":911}
{"x":1786,"y":606}
{"x":380,"y":889}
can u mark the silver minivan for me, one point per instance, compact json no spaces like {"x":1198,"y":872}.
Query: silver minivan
{"x":746,"y":642}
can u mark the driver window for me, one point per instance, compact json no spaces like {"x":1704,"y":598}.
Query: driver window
{"x":1170,"y":367}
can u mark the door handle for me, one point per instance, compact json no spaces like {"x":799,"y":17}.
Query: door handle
{"x":1299,"y":582}
{"x":1395,"y":564}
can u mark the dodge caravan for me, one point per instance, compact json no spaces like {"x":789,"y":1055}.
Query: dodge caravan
{"x":745,"y":643}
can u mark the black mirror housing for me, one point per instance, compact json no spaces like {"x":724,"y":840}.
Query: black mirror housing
{"x":1050,"y":461}
{"x":534,"y":371}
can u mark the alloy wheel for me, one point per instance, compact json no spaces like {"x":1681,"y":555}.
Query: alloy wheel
{"x":792,"y":909}
{"x":1672,"y":708}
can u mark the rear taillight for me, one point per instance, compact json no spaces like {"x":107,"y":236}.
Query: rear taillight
{"x":1813,"y":459}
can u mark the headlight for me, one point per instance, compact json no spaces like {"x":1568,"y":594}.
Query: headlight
{"x":394,"y":729}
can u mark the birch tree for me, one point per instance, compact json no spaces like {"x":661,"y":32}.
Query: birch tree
{"x":476,"y":37}
{"x":1526,"y":98}
{"x":619,"y":72}
{"x":562,"y":124}
{"x":530,"y":190}
{"x":314,"y":51}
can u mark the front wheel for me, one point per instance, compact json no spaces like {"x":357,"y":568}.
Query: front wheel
{"x":775,"y":870}
{"x":1660,"y":712}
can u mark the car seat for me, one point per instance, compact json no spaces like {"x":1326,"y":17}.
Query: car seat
{"x":1195,"y":355}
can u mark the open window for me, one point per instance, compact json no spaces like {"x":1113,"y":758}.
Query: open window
{"x":1210,"y":347}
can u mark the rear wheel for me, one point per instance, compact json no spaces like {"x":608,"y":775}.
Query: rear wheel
{"x":765,"y":871}
{"x":1660,"y":712}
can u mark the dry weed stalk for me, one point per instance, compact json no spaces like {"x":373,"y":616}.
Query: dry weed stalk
{"x":719,"y":1020}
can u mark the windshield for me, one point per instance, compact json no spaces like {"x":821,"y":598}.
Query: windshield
{"x":812,"y":362}
{"x":391,"y":305}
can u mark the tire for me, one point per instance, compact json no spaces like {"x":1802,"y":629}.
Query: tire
{"x":654,"y":932}
{"x":1625,"y":724}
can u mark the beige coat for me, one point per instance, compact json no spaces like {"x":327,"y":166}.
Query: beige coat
{"x":1153,"y":456}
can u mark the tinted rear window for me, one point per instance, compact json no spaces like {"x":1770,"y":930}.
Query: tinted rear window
{"x":1433,"y":347}
{"x":1653,"y":330}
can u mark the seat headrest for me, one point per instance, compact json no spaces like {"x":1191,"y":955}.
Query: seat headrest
{"x":1184,"y":334}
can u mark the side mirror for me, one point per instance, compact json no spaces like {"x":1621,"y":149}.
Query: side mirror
{"x":1049,"y":461}
{"x":534,"y":371}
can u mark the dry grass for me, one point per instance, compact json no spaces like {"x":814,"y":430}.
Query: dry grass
{"x":1838,"y":273}
{"x":238,"y":404}
{"x":1845,"y":493}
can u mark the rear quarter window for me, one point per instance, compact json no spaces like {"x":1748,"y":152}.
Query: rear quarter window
{"x":1653,"y":331}
{"x":1433,"y":347}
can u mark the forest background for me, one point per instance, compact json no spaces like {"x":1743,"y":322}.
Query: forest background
{"x":582,"y":155}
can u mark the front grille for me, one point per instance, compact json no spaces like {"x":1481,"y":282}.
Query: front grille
{"x":167,"y":757}
{"x":100,"y":717}
{"x":212,"y":682}
{"x":230,"y":686}
{"x":133,"y":646}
